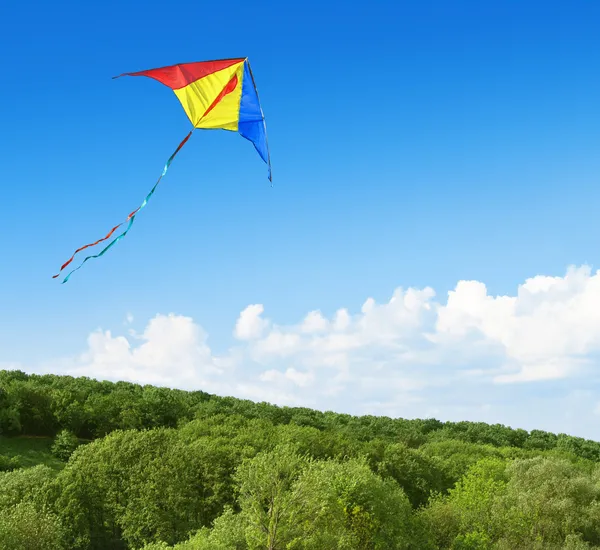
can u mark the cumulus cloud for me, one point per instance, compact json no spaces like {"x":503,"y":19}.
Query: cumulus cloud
{"x":528,"y":359}
{"x":250,"y":324}
{"x":314,"y":322}
{"x":172,"y":350}
{"x":550,"y":329}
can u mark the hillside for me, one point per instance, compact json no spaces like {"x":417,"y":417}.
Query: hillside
{"x":101,"y":465}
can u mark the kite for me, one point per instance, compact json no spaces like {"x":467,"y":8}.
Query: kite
{"x":219,"y":94}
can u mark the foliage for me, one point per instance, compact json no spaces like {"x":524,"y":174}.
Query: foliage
{"x":64,"y":444}
{"x":538,"y":502}
{"x":416,"y":472}
{"x":25,"y":485}
{"x":8,"y":464}
{"x":24,"y":527}
{"x":43,"y":405}
{"x":168,"y":469}
{"x":29,"y":451}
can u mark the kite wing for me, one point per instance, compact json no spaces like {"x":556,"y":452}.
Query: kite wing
{"x":218,"y":94}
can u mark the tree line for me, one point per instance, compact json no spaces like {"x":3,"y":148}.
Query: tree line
{"x":149,"y":468}
{"x":44,"y":405}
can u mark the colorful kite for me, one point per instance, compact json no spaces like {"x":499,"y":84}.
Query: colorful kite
{"x":218,"y":94}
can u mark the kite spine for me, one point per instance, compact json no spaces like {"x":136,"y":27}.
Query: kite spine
{"x":130,"y":219}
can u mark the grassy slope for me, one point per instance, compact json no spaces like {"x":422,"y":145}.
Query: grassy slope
{"x":30,"y":450}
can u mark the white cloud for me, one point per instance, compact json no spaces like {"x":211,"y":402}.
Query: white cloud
{"x":301,"y":379}
{"x":530,"y":359}
{"x":173,"y":351}
{"x":250,"y":324}
{"x":314,"y":322}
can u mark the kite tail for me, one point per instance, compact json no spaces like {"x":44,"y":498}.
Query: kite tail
{"x":129,"y":219}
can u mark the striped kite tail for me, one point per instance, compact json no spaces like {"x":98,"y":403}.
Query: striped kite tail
{"x":130,"y":219}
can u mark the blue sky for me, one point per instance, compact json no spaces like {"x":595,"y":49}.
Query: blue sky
{"x":413,"y":144}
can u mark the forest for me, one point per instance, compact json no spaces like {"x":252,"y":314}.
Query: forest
{"x":96,"y":465}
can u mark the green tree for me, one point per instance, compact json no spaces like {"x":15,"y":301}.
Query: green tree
{"x":290,"y":501}
{"x":68,"y":407}
{"x":418,"y":474}
{"x":8,"y":464}
{"x":10,"y":419}
{"x":361,"y":510}
{"x":472,"y":511}
{"x":228,"y":533}
{"x":475,"y":540}
{"x":139,"y":487}
{"x":271,"y":497}
{"x":35,"y":408}
{"x":455,"y":457}
{"x":64,"y":444}
{"x":26,"y":485}
{"x":549,"y":500}
{"x":25,"y":527}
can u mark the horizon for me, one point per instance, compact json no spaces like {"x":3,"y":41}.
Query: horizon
{"x":290,"y":407}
